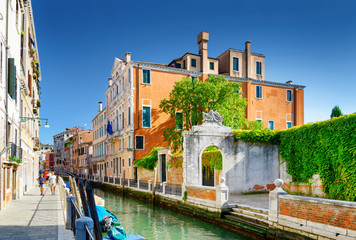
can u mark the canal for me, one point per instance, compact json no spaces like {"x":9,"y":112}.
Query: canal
{"x":154,"y":222}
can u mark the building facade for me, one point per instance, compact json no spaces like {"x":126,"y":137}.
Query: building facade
{"x":59,"y":141}
{"x":99,"y":159}
{"x":137,"y":88}
{"x":20,"y":91}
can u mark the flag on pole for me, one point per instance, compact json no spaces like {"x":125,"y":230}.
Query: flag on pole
{"x":109,"y":128}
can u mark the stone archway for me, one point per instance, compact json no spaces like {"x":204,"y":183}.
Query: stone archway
{"x":211,"y":159}
{"x":210,"y":133}
{"x":245,"y":166}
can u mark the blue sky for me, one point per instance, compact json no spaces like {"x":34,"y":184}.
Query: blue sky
{"x":309,"y":42}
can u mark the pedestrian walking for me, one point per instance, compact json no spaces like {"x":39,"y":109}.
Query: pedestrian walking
{"x":46,"y":177}
{"x":41,"y":181}
{"x":52,"y":183}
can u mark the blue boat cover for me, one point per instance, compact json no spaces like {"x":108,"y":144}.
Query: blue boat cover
{"x":102,"y":212}
{"x":129,"y":237}
{"x":134,"y":237}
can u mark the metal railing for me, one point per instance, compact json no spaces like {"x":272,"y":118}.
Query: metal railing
{"x":133,"y":183}
{"x":159,"y":187}
{"x":75,"y":214}
{"x":164,"y":188}
{"x":144,"y":185}
{"x":173,"y":189}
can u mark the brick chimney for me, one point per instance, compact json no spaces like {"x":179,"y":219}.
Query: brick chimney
{"x":110,"y":82}
{"x":128,"y":56}
{"x":289,"y":82}
{"x":203,"y":39}
{"x":100,"y":106}
{"x":248,"y":58}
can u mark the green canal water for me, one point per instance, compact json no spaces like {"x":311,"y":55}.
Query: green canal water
{"x":154,"y":222}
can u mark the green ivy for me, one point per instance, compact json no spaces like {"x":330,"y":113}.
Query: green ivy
{"x":176,"y":161}
{"x":148,"y":162}
{"x":327,"y":148}
{"x":258,"y":136}
{"x":212,"y":159}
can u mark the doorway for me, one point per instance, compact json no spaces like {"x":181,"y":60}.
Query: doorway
{"x":163,"y":168}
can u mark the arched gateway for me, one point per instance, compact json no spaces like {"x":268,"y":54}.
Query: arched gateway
{"x":245,"y":166}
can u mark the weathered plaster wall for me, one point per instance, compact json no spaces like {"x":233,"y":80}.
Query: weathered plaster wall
{"x":250,"y":167}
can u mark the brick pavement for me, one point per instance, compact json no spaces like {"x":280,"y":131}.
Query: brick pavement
{"x":34,"y":217}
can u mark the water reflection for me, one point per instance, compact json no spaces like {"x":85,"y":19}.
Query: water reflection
{"x":154,"y":222}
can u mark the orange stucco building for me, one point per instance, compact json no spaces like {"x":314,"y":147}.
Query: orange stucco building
{"x":136,"y":89}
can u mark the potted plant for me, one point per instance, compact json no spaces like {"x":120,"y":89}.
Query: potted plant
{"x":38,"y":103}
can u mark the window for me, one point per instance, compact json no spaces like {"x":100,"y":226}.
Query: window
{"x":289,"y":124}
{"x":179,"y":120}
{"x":184,"y":66}
{"x":259,"y":120}
{"x":235,"y":64}
{"x":193,"y":62}
{"x":139,"y":142}
{"x":258,"y":68}
{"x":258,"y":91}
{"x":177,"y":65}
{"x":129,"y":116}
{"x":146,"y":117}
{"x":123,"y":120}
{"x":289,"y":96}
{"x":129,"y":142}
{"x":129,"y":162}
{"x":271,"y":125}
{"x":12,"y":83}
{"x":146,"y":76}
{"x":211,"y":66}
{"x":123,"y":162}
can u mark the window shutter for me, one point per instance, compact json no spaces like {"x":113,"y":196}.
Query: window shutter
{"x":11,"y":87}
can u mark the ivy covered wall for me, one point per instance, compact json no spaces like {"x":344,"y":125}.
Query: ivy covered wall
{"x":327,"y":148}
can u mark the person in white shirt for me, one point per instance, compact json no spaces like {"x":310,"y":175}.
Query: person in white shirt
{"x":52,"y":183}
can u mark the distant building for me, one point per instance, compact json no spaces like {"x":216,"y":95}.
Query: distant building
{"x":49,"y":160}
{"x":59,"y":141}
{"x":45,"y":147}
{"x":99,"y":163}
{"x":80,"y":148}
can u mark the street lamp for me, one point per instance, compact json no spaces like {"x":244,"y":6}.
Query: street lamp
{"x":24,"y":119}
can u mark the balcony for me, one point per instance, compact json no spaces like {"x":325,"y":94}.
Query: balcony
{"x":36,"y":140}
{"x":15,"y":153}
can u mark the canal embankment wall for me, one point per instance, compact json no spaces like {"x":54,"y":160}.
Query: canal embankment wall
{"x":290,"y":216}
{"x":314,"y":218}
{"x":179,"y":204}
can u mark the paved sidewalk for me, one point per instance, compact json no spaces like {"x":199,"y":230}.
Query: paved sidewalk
{"x":260,"y":200}
{"x":34,"y":217}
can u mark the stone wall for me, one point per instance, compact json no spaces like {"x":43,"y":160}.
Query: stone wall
{"x":251,"y":167}
{"x":316,"y":218}
{"x":207,"y":193}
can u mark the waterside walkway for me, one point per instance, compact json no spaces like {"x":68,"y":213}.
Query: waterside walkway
{"x":34,"y":217}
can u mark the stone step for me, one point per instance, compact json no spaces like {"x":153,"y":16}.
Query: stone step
{"x":252,"y":209}
{"x":243,"y":221}
{"x":249,"y":218}
{"x":250,"y":213}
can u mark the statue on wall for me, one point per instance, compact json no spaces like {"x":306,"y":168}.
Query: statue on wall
{"x":213,"y":117}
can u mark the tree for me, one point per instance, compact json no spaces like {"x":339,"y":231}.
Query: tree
{"x":192,"y":97}
{"x":336,"y":112}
